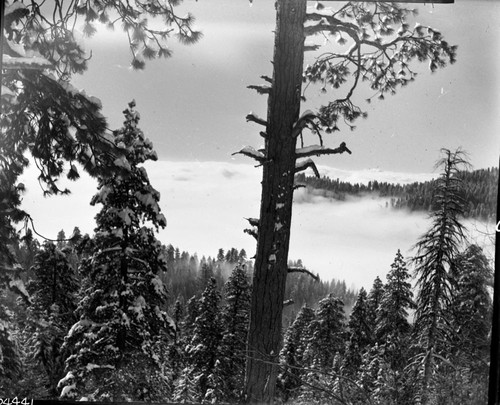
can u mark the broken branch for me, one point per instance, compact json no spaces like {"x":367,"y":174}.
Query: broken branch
{"x":257,"y":120}
{"x":301,"y":166}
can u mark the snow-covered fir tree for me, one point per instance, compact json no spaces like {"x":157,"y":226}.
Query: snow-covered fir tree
{"x":397,"y":300}
{"x":471,"y":307}
{"x":327,"y":333}
{"x":360,"y":332}
{"x":296,"y":340}
{"x":226,"y":380}
{"x":202,"y":350}
{"x":394,"y":332}
{"x":374,"y":299}
{"x":123,"y":325}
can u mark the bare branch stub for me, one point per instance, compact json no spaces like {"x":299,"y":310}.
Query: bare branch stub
{"x":260,"y":89}
{"x":253,"y":221}
{"x":251,"y":232}
{"x":253,"y":118}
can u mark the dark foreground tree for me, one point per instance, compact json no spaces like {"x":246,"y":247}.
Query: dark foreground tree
{"x":53,"y":292}
{"x":435,"y":268}
{"x":379,"y":48}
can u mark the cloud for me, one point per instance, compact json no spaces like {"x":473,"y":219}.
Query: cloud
{"x":206,"y":204}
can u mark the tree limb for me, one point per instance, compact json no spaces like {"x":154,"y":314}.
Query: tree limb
{"x":251,"y":232}
{"x":260,"y":89}
{"x":295,"y":269}
{"x":317,"y":150}
{"x":251,"y":152}
{"x":257,"y":120}
{"x":253,"y":221}
{"x":301,"y":166}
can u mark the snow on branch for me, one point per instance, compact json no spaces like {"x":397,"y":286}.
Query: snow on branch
{"x":253,"y":153}
{"x":288,"y":302}
{"x":296,"y":269}
{"x":318,"y":150}
{"x":252,"y":117}
{"x":26,"y":62}
{"x":305,"y":164}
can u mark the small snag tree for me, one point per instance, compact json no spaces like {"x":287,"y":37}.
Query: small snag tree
{"x":370,"y":42}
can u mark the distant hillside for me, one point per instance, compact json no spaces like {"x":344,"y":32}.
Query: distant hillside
{"x":480,"y":192}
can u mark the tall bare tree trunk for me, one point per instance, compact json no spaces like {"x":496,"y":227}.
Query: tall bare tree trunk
{"x":276,"y":203}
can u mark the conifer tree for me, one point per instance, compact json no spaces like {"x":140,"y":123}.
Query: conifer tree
{"x":229,"y":371}
{"x":434,"y":261}
{"x":360,"y":332}
{"x":123,"y":325}
{"x":297,"y":338}
{"x":375,"y":295}
{"x":394,"y":332}
{"x":53,"y":291}
{"x":327,"y":333}
{"x":471,"y":306}
{"x":202,"y":351}
{"x":397,"y":300}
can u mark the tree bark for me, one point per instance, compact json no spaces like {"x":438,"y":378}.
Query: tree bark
{"x":271,"y":261}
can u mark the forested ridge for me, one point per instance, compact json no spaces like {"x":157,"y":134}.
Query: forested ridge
{"x":479,"y":192}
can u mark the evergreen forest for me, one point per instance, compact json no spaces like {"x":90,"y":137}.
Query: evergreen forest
{"x":479,"y":192}
{"x":119,"y":316}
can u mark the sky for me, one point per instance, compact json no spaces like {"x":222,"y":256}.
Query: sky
{"x":193,"y":108}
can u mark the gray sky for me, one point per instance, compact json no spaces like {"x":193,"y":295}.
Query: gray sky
{"x":194,"y":104}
